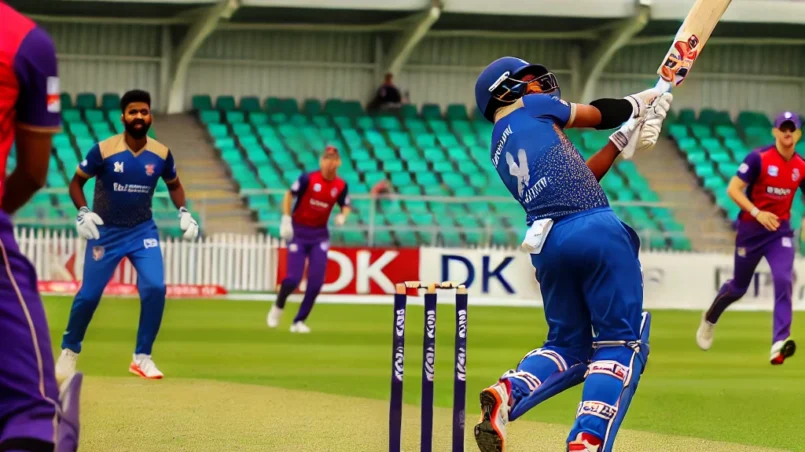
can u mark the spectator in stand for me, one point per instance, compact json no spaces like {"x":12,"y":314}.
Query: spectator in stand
{"x":388,"y":96}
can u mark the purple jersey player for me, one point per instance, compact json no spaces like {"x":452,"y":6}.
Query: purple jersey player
{"x":316,"y":194}
{"x":33,"y":415}
{"x":764,"y":189}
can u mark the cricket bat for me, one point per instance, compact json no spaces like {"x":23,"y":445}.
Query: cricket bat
{"x":689,"y":42}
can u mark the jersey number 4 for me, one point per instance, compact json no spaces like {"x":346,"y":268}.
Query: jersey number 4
{"x":519,"y":171}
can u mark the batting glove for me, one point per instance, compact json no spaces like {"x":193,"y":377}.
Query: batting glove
{"x":642,"y":134}
{"x":286,"y":228}
{"x":86,"y":223}
{"x":188,"y":224}
{"x":642,"y":101}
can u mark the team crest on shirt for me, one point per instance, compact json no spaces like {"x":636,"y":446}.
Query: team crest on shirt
{"x":795,"y":174}
{"x":149,"y":170}
{"x":317,"y":187}
{"x":333,"y":192}
{"x":741,"y":252}
{"x":97,"y":253}
{"x":773,"y":171}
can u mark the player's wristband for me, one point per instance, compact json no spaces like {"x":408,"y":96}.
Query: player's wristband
{"x":754,"y":212}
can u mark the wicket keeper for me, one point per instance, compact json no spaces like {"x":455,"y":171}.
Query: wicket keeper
{"x":305,"y":227}
{"x":34,"y":415}
{"x":586,"y":259}
{"x":127,"y":168}
{"x":764,"y":189}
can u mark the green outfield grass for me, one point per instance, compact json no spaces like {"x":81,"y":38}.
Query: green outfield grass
{"x":730,"y":393}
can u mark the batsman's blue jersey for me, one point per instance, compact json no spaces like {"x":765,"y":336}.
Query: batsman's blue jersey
{"x":539,"y":165}
{"x":125,"y":180}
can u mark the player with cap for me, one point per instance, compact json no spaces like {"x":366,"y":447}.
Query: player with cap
{"x":586,"y":259}
{"x":34,"y":414}
{"x":764,"y":189}
{"x":305,"y":228}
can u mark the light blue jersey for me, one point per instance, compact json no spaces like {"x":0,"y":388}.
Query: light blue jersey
{"x":539,"y":165}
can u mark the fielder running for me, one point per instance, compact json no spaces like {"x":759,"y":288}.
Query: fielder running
{"x":127,"y":168}
{"x":586,"y":259}
{"x":34,"y":415}
{"x":764,"y":189}
{"x":316,"y":194}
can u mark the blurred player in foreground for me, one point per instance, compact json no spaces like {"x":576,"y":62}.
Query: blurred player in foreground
{"x":34,"y":415}
{"x":764,"y":189}
{"x":588,"y":268}
{"x":316,"y":194}
{"x":127,"y":167}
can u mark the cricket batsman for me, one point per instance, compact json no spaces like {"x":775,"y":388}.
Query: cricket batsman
{"x":127,"y":167}
{"x":586,"y":259}
{"x":764,"y":189}
{"x":306,"y":230}
{"x":35,"y":415}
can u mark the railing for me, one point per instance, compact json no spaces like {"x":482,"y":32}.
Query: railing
{"x":367,"y":207}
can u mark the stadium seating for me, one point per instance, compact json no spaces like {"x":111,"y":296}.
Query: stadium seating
{"x":85,"y":121}
{"x":429,"y":152}
{"x":714,"y":146}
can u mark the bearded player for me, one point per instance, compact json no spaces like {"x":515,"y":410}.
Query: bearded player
{"x":127,"y":168}
{"x":34,"y":416}
{"x":586,"y":259}
{"x":764,"y":189}
{"x":305,"y":227}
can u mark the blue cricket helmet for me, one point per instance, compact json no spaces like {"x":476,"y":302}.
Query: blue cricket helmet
{"x":501,"y":83}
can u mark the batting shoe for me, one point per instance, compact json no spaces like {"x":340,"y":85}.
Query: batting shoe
{"x":584,"y":442}
{"x":782,"y":350}
{"x":490,"y":432}
{"x":144,"y":366}
{"x":705,"y":333}
{"x":65,"y":365}
{"x":300,"y":327}
{"x":274,"y":316}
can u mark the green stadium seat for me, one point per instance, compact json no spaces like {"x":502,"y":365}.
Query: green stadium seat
{"x":431,"y":111}
{"x":86,"y":101}
{"x":225,"y":103}
{"x":210,"y":116}
{"x":250,"y":104}
{"x":258,"y":118}
{"x":202,"y":102}
{"x":94,"y":116}
{"x":687,"y":116}
{"x":456,"y":111}
{"x":701,"y":131}
{"x":66,"y":101}
{"x":311,"y":107}
{"x":71,"y":115}
{"x":110,"y":102}
{"x":234,"y":117}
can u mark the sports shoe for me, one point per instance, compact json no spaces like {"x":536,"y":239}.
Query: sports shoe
{"x":584,"y":442}
{"x":300,"y":327}
{"x":69,"y":425}
{"x":65,"y":365}
{"x":705,"y":333}
{"x":143,"y":366}
{"x":274,"y":316}
{"x":782,"y":350}
{"x":490,"y":432}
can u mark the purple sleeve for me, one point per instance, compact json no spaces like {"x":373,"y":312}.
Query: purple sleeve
{"x":750,"y":168}
{"x":169,"y":171}
{"x":38,"y":104}
{"x":300,"y":185}
{"x":547,"y":106}
{"x":343,"y":200}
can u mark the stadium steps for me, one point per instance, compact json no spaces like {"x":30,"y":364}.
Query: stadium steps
{"x":206,"y":181}
{"x":667,"y":174}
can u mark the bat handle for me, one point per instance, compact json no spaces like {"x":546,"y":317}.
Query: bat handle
{"x":663,"y":85}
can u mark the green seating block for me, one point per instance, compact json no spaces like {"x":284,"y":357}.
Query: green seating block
{"x":225,"y":103}
{"x":431,"y":111}
{"x":86,"y":101}
{"x":457,"y":111}
{"x":234,"y":116}
{"x":209,"y":116}
{"x":250,"y":104}
{"x":110,"y":102}
{"x":66,"y":101}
